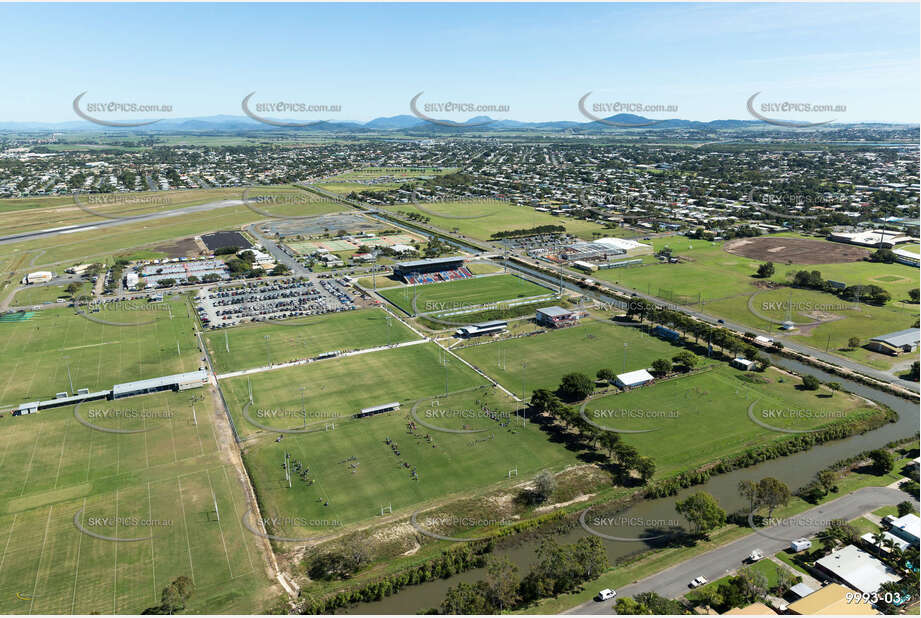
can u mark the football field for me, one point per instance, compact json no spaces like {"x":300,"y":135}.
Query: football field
{"x":101,"y":522}
{"x":57,"y":347}
{"x":260,"y":344}
{"x":463,"y":293}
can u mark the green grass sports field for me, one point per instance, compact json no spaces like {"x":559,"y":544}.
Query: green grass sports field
{"x":159,"y":486}
{"x":462,"y":294}
{"x":253,"y":345}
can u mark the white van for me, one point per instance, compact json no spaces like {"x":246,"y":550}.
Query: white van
{"x":605,"y":595}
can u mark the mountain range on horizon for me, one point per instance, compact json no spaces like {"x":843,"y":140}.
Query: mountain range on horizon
{"x":404,"y":122}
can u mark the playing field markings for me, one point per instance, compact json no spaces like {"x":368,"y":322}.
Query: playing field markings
{"x":115,"y":568}
{"x":237,"y":518}
{"x":6,"y":448}
{"x":40,"y":556}
{"x":25,"y":481}
{"x":153,"y":562}
{"x":73,"y":603}
{"x":185,"y":525}
{"x":7,"y":546}
{"x":220,"y":526}
{"x":61,"y":459}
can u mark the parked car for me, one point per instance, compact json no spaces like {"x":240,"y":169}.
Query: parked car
{"x":697,"y":582}
{"x":605,"y":595}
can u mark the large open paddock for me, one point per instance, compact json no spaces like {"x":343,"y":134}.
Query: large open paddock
{"x":157,"y":486}
{"x":462,"y":294}
{"x":254,"y":345}
{"x":699,"y":418}
{"x":481,"y":218}
{"x":43,"y":355}
{"x":540,"y":361}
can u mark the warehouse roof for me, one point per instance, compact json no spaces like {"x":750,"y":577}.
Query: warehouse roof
{"x":899,"y":338}
{"x":140,"y":385}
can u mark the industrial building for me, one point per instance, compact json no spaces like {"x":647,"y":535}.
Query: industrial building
{"x":896,"y":343}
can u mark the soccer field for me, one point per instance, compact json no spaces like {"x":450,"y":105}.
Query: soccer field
{"x":159,"y":486}
{"x":462,"y":294}
{"x":344,"y":475}
{"x":41,"y":356}
{"x":699,"y":418}
{"x":254,"y":345}
{"x":542,"y":360}
{"x":340,"y":387}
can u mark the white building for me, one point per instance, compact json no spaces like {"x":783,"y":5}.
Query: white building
{"x":857,"y":569}
{"x":131,"y":280}
{"x":633,"y":378}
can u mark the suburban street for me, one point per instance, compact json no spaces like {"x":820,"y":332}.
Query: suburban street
{"x":673,"y":582}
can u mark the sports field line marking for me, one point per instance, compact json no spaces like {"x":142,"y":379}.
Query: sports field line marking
{"x":115,"y":568}
{"x":153,"y":562}
{"x":236,"y":516}
{"x":185,"y":524}
{"x":6,"y":449}
{"x":60,"y":460}
{"x":7,"y":546}
{"x":73,"y":603}
{"x":31,"y":458}
{"x":41,"y":555}
{"x":220,"y":526}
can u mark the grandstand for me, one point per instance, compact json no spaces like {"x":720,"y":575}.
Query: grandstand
{"x":483,"y":328}
{"x":432,"y":271}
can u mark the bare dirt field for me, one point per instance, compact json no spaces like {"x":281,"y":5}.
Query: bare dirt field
{"x":795,"y":250}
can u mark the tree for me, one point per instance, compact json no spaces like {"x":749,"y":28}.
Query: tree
{"x":465,"y":599}
{"x":915,"y":372}
{"x":904,"y":508}
{"x":280,"y":269}
{"x":754,"y":582}
{"x":914,"y":294}
{"x":544,"y":486}
{"x":773,"y":493}
{"x":174,"y":596}
{"x":766,"y":270}
{"x":749,"y":490}
{"x":607,"y":375}
{"x":625,"y":606}
{"x":853,"y":343}
{"x":501,"y":584}
{"x":72,"y":288}
{"x":646,"y":467}
{"x":686,"y":359}
{"x":702,"y":511}
{"x":544,"y":401}
{"x":576,"y":386}
{"x":883,"y":461}
{"x":810,"y":383}
{"x":827,"y":479}
{"x":785,"y":580}
{"x":661,"y":366}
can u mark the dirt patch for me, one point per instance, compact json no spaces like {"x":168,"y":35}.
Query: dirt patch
{"x":795,"y":250}
{"x":186,"y":247}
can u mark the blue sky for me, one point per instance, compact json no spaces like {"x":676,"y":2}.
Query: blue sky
{"x":538,"y":59}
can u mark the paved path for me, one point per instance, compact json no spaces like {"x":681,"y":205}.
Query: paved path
{"x":673,"y":582}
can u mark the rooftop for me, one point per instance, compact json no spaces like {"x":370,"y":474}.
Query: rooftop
{"x":899,"y":338}
{"x":858,"y":569}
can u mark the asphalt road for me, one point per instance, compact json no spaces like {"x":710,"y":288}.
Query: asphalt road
{"x":673,"y":582}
